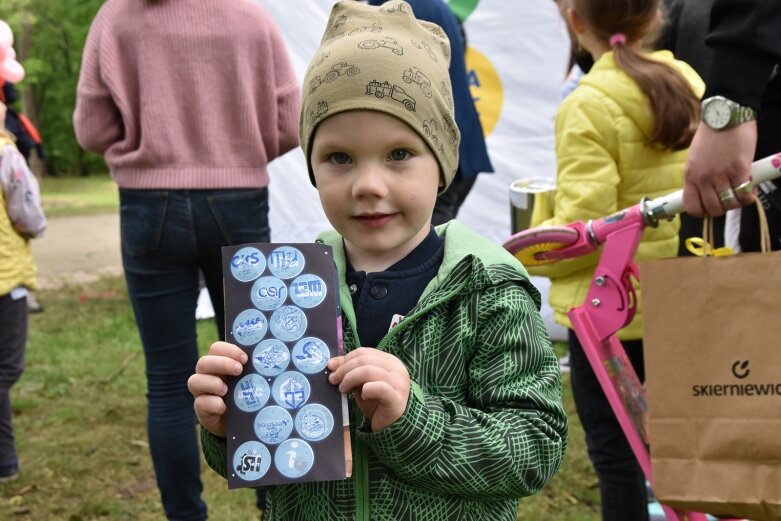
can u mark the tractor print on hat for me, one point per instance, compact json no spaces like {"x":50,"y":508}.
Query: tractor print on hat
{"x":395,"y":92}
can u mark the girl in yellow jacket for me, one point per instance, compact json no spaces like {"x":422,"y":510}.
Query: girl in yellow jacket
{"x":622,"y":134}
{"x":21,"y":218}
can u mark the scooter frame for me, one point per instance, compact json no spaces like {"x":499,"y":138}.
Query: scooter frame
{"x":611,"y":303}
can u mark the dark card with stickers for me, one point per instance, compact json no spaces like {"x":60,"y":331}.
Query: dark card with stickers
{"x":286,"y":422}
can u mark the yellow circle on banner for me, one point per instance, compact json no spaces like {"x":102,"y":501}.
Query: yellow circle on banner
{"x":486,"y":88}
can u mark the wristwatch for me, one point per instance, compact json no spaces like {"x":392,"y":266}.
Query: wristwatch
{"x":720,"y":113}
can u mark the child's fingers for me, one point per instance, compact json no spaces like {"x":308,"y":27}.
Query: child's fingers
{"x":206,"y":384}
{"x":209,"y":405}
{"x":210,"y":410}
{"x":218,"y":365}
{"x":356,"y":377}
{"x":230,"y":350}
{"x":335,"y":362}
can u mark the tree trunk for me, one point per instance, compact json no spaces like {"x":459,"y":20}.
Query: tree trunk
{"x":30,"y":106}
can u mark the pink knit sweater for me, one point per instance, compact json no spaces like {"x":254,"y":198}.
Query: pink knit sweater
{"x":186,"y":94}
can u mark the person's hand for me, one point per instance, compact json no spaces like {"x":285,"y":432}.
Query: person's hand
{"x":208,"y":385}
{"x":378,"y":381}
{"x":719,"y":162}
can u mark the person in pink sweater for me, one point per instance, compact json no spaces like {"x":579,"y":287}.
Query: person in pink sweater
{"x":188,"y":101}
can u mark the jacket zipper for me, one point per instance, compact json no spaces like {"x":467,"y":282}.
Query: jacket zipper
{"x":361,"y":454}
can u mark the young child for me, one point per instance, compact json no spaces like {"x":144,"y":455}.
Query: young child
{"x":21,"y":218}
{"x":456,"y":411}
{"x":622,"y":134}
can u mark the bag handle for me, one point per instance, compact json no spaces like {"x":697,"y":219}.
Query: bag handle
{"x":708,"y":235}
{"x":764,"y":229}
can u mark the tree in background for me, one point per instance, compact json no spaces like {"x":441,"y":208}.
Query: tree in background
{"x":50,"y":36}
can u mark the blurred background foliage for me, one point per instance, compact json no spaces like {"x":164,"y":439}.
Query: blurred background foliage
{"x":49,"y":36}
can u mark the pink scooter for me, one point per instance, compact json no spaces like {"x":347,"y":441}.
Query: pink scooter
{"x":611,"y":301}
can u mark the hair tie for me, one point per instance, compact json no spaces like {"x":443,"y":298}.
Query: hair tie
{"x":617,"y":38}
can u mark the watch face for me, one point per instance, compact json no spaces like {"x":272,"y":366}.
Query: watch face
{"x":716,"y":113}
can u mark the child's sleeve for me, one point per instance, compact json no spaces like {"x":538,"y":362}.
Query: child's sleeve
{"x":508,"y":439}
{"x":22,"y":194}
{"x":215,"y":452}
{"x":587,"y":177}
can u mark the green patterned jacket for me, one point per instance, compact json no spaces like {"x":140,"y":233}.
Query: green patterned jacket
{"x":484,"y":425}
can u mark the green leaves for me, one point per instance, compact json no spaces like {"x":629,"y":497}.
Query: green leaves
{"x":49,"y":37}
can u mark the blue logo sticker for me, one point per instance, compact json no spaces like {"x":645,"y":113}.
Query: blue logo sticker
{"x":273,"y":425}
{"x":291,"y":390}
{"x":286,"y":262}
{"x":251,"y":461}
{"x":250,"y":327}
{"x":270,"y":357}
{"x":288,"y":323}
{"x":308,"y":291}
{"x":251,"y":393}
{"x":268,"y":293}
{"x":294,"y":458}
{"x":314,"y":422}
{"x":247,"y":264}
{"x":310,"y":355}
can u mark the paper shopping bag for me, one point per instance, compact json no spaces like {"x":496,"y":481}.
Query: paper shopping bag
{"x":712,"y":329}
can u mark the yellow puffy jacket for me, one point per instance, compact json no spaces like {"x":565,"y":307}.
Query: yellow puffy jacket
{"x":16,"y":260}
{"x":604,"y":164}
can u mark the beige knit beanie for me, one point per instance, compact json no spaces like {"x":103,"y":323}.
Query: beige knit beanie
{"x":383,"y":59}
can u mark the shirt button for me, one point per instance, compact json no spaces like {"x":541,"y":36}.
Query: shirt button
{"x":379,"y":292}
{"x":353,"y":288}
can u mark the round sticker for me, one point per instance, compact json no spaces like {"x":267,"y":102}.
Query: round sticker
{"x":250,"y":327}
{"x":273,"y":425}
{"x":314,"y":422}
{"x":310,"y":355}
{"x":291,"y":390}
{"x":288,"y":323}
{"x":268,"y":293}
{"x":294,"y":458}
{"x":251,"y":393}
{"x":307,"y":291}
{"x":270,"y":357}
{"x":247,"y":264}
{"x":286,"y":262}
{"x":251,"y":461}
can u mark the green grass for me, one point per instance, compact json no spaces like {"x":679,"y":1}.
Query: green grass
{"x":63,"y":196}
{"x":79,"y":413}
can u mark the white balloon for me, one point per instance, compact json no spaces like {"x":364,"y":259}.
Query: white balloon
{"x":10,"y":69}
{"x":6,"y":36}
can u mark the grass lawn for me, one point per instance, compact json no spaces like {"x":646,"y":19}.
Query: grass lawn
{"x":80,"y":409}
{"x":79,"y":195}
{"x":80,"y":421}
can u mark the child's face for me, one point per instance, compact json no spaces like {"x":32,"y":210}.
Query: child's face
{"x":378,"y":183}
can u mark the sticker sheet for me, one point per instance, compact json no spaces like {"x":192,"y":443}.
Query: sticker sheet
{"x":285,"y":420}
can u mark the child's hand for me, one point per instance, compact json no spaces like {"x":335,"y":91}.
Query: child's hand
{"x":208,"y":385}
{"x":379,"y":382}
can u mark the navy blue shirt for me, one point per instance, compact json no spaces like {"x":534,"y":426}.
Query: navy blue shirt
{"x":378,"y":297}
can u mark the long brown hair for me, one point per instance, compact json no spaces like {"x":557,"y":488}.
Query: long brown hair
{"x":675,"y":106}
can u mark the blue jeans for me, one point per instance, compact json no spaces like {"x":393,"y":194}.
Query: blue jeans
{"x":621,"y":480}
{"x":167,"y":237}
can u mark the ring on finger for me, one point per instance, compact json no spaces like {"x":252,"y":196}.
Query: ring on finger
{"x":744,"y":188}
{"x":727,"y":195}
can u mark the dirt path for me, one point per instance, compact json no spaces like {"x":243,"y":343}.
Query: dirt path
{"x":77,"y":250}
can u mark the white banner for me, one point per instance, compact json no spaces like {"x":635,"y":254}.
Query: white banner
{"x":517,"y":59}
